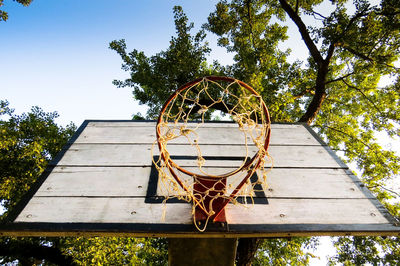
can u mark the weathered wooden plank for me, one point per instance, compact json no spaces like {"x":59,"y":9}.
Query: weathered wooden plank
{"x":96,"y":181}
{"x":132,"y":123}
{"x":127,"y":123}
{"x":308,"y":211}
{"x":133,"y":210}
{"x":312,"y":183}
{"x":214,"y":134}
{"x":140,"y":155}
{"x":133,"y":181}
{"x":102,"y":210}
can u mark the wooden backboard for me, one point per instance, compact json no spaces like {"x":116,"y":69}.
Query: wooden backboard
{"x":103,"y":183}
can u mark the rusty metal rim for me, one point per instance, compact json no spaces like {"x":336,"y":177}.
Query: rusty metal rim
{"x":171,"y":164}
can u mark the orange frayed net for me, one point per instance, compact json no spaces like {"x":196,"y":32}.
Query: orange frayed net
{"x":192,"y":169}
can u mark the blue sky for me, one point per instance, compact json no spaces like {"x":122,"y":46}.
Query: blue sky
{"x":54,"y":54}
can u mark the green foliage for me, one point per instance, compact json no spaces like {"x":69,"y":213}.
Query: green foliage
{"x":367,"y":250}
{"x":138,"y":116}
{"x":4,"y":15}
{"x":154,"y":251}
{"x":117,"y":251}
{"x":356,"y":107}
{"x":281,"y":251}
{"x":250,"y":31}
{"x":27,"y":143}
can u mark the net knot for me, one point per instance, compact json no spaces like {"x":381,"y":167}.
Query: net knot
{"x":201,"y":161}
{"x":203,"y":109}
{"x":185,"y":131}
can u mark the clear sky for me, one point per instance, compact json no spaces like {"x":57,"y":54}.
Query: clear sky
{"x":54,"y":54}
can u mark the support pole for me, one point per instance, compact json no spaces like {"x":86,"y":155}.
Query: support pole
{"x":201,"y":251}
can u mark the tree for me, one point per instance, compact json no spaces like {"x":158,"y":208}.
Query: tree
{"x":117,"y":251}
{"x":337,"y":92}
{"x":27,"y":143}
{"x":284,"y":251}
{"x":366,"y":250}
{"x":4,"y":15}
{"x":352,"y":46}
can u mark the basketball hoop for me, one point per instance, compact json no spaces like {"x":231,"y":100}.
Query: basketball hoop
{"x":180,"y":119}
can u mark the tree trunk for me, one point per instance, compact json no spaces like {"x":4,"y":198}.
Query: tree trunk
{"x":246,"y":250}
{"x":319,"y":96}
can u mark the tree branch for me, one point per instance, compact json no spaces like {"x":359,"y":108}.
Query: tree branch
{"x":367,"y":58}
{"x":243,"y":256}
{"x":340,"y":78}
{"x":352,"y":20}
{"x":312,"y":48}
{"x":351,"y":50}
{"x":387,"y":14}
{"x":381,"y":158}
{"x":365,"y":96}
{"x":329,"y":55}
{"x":320,"y":95}
{"x":318,"y":14}
{"x":304,"y":92}
{"x":251,"y":24}
{"x":384,"y":188}
{"x":344,"y":133}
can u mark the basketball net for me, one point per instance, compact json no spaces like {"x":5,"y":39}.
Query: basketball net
{"x":182,"y":136}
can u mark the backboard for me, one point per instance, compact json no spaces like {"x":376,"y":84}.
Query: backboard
{"x":104,"y":183}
